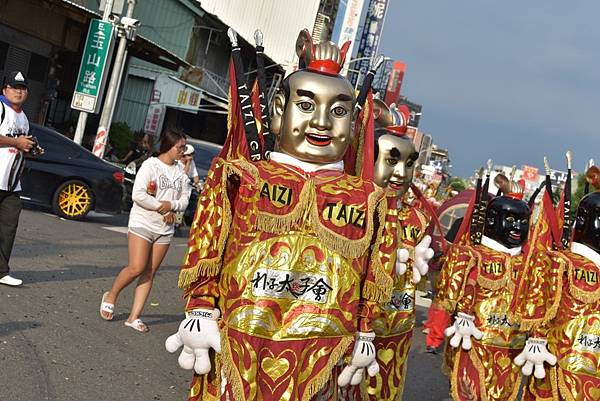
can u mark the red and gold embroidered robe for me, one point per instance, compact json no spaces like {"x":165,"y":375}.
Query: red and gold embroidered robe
{"x":284,"y":255}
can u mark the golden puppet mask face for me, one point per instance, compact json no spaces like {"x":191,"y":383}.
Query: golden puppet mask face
{"x":395,"y":164}
{"x":312,"y":117}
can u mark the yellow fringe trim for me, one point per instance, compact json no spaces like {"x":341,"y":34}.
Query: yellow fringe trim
{"x":565,"y":392}
{"x":351,"y":249}
{"x":211,"y":267}
{"x":587,"y":297}
{"x":381,"y":290}
{"x":230,"y":372}
{"x":324,"y":376}
{"x":280,"y":224}
{"x":361,"y":140}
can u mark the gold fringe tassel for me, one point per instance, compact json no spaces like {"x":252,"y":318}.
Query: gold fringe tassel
{"x":351,"y":249}
{"x":231,"y":374}
{"x":212,"y":266}
{"x":324,"y":376}
{"x":281,"y":224}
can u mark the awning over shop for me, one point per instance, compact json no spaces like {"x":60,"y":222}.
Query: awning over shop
{"x":178,"y":94}
{"x":142,"y":48}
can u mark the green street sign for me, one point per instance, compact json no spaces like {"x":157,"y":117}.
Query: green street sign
{"x":92,"y":72}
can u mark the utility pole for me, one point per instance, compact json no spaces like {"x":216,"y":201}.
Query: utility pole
{"x":82,"y":114}
{"x":126,"y":31}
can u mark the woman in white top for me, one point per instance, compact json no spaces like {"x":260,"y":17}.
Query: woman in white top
{"x":161,"y":188}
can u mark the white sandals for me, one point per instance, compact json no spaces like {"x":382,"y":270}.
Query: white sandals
{"x":137,"y":325}
{"x":106,"y":307}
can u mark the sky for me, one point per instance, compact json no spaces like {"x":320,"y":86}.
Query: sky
{"x":513,"y":80}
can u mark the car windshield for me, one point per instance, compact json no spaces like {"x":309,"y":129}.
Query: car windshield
{"x":204,"y":155}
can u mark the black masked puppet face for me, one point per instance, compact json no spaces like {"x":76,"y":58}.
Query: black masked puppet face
{"x":395,"y":163}
{"x":312,"y":117}
{"x":587,"y":221}
{"x":507,"y":221}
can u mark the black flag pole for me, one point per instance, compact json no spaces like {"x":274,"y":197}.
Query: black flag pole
{"x":245,"y":100}
{"x":366,"y":84}
{"x":483,"y":203}
{"x":265,"y":116}
{"x":547,"y":179}
{"x":566,"y":229}
{"x":475,"y":213}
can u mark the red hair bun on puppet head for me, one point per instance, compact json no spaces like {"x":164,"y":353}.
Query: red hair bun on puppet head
{"x":324,"y":57}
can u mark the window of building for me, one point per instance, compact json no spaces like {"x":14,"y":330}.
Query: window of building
{"x":3,"y":54}
{"x":38,"y":68}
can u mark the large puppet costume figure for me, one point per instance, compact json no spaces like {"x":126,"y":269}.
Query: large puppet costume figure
{"x":566,"y":312}
{"x":276,"y":277}
{"x":393,"y":326}
{"x":476,"y":284}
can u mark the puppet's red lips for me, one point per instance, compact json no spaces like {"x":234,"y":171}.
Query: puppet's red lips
{"x":515,"y":235}
{"x":396,"y":185}
{"x":318,"y":139}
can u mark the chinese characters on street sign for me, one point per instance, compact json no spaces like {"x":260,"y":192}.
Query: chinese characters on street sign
{"x":92,"y":72}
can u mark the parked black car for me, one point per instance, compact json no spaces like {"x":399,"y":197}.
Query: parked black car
{"x":70,"y":179}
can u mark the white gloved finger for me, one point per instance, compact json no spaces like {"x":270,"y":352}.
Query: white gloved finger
{"x":551,"y":359}
{"x":428,"y":254}
{"x":416,"y":278}
{"x":202,"y":365}
{"x":402,"y":255}
{"x":373,"y":369}
{"x":527,"y":369}
{"x":401,"y":268}
{"x":346,"y":375}
{"x":455,"y":340}
{"x":519,"y":359}
{"x":449,"y":331}
{"x":425,"y":242}
{"x":172,"y":343}
{"x":421,"y":266}
{"x":466,"y":343}
{"x":357,"y":377}
{"x":477,"y":333}
{"x":539,"y":373}
{"x":186,"y":358}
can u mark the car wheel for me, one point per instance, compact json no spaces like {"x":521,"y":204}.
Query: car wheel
{"x":72,"y":200}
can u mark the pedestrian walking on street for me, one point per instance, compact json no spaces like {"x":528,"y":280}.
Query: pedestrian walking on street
{"x":14,"y":143}
{"x":189,"y":166}
{"x":161,"y":188}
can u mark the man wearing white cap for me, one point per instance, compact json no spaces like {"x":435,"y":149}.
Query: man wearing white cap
{"x":14,"y":143}
{"x":189,"y":166}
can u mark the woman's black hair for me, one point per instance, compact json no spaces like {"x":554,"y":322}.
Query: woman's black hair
{"x":169,"y":139}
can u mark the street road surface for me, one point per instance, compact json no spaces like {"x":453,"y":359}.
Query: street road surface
{"x":54,"y":346}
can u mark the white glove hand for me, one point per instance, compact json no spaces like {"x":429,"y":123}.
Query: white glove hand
{"x":363,"y":357}
{"x":462,"y":330}
{"x":197,"y":333}
{"x":534,"y":354}
{"x":402,"y":256}
{"x":423,"y":254}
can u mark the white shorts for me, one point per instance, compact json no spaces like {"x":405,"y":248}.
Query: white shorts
{"x":151,"y":237}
